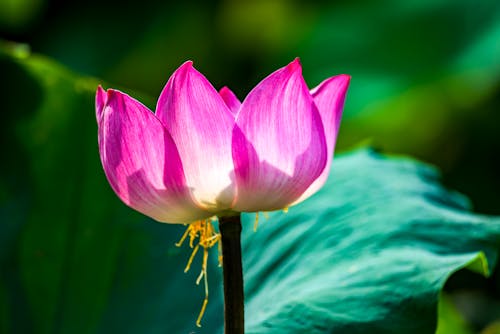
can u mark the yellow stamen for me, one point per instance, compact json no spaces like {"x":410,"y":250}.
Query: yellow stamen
{"x":184,"y":236}
{"x":203,"y":308}
{"x":256,"y":223}
{"x":193,"y":254}
{"x":285,"y":210}
{"x":219,"y":250}
{"x":207,"y":238}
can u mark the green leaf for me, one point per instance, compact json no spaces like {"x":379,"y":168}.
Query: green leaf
{"x":450,"y":320}
{"x":369,"y":253}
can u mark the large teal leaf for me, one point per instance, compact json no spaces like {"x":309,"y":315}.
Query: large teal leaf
{"x":369,"y":253}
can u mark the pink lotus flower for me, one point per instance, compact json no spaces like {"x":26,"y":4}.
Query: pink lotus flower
{"x":205,"y":153}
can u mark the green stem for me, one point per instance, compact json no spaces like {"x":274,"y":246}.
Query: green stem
{"x":230,"y":230}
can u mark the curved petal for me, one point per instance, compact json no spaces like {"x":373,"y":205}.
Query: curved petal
{"x":230,"y":99}
{"x":329,"y":97}
{"x":279,"y":145}
{"x":200,"y":124}
{"x":141,"y":161}
{"x":100,"y":101}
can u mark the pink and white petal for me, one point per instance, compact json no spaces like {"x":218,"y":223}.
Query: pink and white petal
{"x":200,"y":124}
{"x":329,"y":97}
{"x":230,"y":99}
{"x":141,"y":161}
{"x":279,"y":145}
{"x":100,"y":101}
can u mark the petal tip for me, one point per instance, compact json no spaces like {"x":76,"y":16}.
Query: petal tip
{"x":100,"y":101}
{"x":345,"y":80}
{"x":100,"y":95}
{"x":100,"y":89}
{"x":113,"y":93}
{"x":345,"y":77}
{"x":187,"y":65}
{"x":231,"y":100}
{"x":295,"y":65}
{"x":184,"y":71}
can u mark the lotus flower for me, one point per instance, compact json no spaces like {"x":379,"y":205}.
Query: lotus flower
{"x":205,"y":153}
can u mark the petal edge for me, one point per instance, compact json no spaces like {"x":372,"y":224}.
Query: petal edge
{"x":141,"y":161}
{"x":100,"y":101}
{"x":200,"y":123}
{"x":329,"y":96}
{"x":231,"y":100}
{"x":279,"y":146}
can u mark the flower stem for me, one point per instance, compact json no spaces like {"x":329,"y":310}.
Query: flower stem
{"x":230,"y":230}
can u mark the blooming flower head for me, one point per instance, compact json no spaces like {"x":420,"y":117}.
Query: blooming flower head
{"x":204,"y":153}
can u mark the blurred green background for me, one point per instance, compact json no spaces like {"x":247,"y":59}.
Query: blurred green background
{"x":425,"y":80}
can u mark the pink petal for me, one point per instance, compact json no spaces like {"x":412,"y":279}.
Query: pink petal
{"x":329,"y":97}
{"x":141,"y":161}
{"x":200,"y":124}
{"x":279,"y":145}
{"x":230,"y":99}
{"x":100,"y":101}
